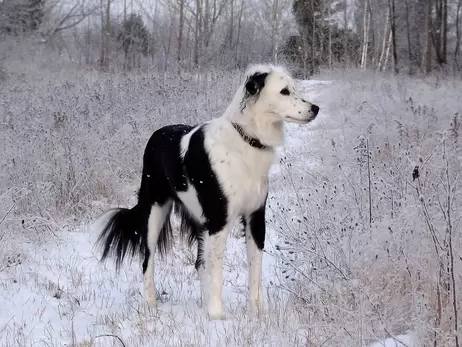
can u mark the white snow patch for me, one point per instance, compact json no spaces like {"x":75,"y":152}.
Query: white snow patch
{"x":398,"y":341}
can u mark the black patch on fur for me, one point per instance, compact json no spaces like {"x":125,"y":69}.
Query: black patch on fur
{"x":126,"y":231}
{"x":253,"y":86}
{"x":123,"y":234}
{"x":204,"y":179}
{"x":164,"y":174}
{"x":243,"y":222}
{"x":200,"y":253}
{"x":255,"y":83}
{"x":257,"y":226}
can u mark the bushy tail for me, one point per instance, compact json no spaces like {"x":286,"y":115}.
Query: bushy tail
{"x":124,"y":233}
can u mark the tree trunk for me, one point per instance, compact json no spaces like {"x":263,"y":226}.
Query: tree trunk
{"x":180,"y":33}
{"x":196,"y":33}
{"x":106,"y":29}
{"x":125,"y":50}
{"x":238,"y":35}
{"x":313,"y":42}
{"x":345,"y":44}
{"x":365,"y":37}
{"x":437,"y":31}
{"x":321,"y":36}
{"x":387,"y":53}
{"x":103,"y":37}
{"x":153,"y":41}
{"x":445,"y":32}
{"x":408,"y":32}
{"x":384,"y":42}
{"x":206,"y":22}
{"x":457,"y":49}
{"x":330,"y":39}
{"x":391,"y":3}
{"x":372,"y":33}
{"x":428,"y":53}
{"x":274,"y":30}
{"x":231,"y":26}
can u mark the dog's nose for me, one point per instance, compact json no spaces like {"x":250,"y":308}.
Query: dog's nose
{"x":314,"y":109}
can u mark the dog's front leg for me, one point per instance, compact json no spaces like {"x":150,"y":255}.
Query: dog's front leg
{"x":212,"y":278}
{"x":255,"y":240}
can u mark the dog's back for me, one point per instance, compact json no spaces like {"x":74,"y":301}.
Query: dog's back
{"x":127,"y":229}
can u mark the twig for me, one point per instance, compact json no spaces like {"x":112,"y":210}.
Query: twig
{"x":110,"y":335}
{"x":7,"y":213}
{"x":451,"y":253}
{"x":369,"y":182}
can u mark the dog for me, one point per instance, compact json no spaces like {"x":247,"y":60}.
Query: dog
{"x":210,"y":175}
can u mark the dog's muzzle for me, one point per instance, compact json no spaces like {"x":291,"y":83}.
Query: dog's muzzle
{"x":314,"y":110}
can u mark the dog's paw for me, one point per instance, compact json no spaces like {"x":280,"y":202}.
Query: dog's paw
{"x":151,"y":301}
{"x":150,"y":296}
{"x":215,"y":311}
{"x":217,"y":315}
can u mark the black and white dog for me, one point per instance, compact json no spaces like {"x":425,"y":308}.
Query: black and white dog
{"x":210,"y":175}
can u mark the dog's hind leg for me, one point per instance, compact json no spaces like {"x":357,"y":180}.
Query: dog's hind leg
{"x":157,"y":219}
{"x":255,"y":240}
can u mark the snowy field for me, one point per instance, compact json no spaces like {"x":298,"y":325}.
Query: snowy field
{"x":357,"y":252}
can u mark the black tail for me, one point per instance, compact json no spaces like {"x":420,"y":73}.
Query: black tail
{"x":125,"y":233}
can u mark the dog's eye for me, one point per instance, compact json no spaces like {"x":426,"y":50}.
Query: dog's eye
{"x":285,"y":91}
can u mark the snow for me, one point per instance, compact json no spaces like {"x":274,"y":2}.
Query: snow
{"x":61,"y":295}
{"x":57,"y":293}
{"x":397,"y":341}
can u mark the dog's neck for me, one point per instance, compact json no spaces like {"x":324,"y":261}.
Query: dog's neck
{"x":264,"y":128}
{"x":253,"y":142}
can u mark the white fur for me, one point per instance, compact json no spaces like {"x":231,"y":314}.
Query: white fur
{"x":243,"y":170}
{"x":214,"y":248}
{"x":254,"y":262}
{"x":155,"y":222}
{"x":189,"y":199}
{"x":264,"y":118}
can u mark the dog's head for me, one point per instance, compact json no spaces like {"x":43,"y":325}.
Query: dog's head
{"x":270,"y":91}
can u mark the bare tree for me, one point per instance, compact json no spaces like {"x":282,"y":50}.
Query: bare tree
{"x":180,"y":31}
{"x":197,"y":17}
{"x":60,"y":16}
{"x":408,"y":36}
{"x":273,"y":17}
{"x":105,"y":33}
{"x":457,"y":49}
{"x":381,"y":63}
{"x":391,"y":4}
{"x":330,"y":38}
{"x":429,"y":32}
{"x":366,"y":25}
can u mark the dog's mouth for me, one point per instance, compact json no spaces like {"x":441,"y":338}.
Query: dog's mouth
{"x":301,"y":121}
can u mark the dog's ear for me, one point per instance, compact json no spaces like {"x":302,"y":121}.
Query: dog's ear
{"x":255,"y":83}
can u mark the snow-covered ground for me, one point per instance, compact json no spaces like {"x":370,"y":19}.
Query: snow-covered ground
{"x":397,"y":341}
{"x":347,"y":264}
{"x":56,"y":293}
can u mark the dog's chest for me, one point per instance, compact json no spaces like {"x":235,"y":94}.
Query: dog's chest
{"x":243,"y":175}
